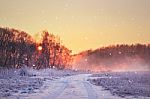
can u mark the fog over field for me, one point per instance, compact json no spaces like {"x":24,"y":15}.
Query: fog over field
{"x":114,"y":58}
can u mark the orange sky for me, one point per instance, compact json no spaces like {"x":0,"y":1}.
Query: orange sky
{"x":81,"y":24}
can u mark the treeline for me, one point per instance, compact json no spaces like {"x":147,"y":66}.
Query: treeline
{"x":18,"y":48}
{"x":115,"y":55}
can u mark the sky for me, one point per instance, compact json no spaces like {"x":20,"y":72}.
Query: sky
{"x":81,"y":24}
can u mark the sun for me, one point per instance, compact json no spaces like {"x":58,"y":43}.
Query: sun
{"x":39,"y":48}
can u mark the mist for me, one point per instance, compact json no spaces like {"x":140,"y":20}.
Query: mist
{"x":125,"y":64}
{"x":106,"y":60}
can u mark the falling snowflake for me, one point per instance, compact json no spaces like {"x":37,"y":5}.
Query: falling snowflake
{"x":100,"y":11}
{"x":139,"y":34}
{"x":33,"y":65}
{"x":101,"y":33}
{"x":86,"y":38}
{"x":110,"y":54}
{"x":119,"y":52}
{"x":56,"y":18}
{"x":43,"y":12}
{"x":72,"y":17}
{"x":115,"y":25}
{"x":95,"y":17}
{"x":133,"y":19}
{"x":85,"y":60}
{"x":66,"y":5}
{"x":129,"y":81}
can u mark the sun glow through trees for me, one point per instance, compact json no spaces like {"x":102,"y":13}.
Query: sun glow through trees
{"x":39,"y":48}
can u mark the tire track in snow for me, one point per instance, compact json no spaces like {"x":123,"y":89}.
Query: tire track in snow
{"x":58,"y":91}
{"x":91,"y":93}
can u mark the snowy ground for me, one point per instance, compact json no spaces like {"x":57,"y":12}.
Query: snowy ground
{"x":12,"y":85}
{"x":71,"y":87}
{"x":124,"y":84}
{"x":53,"y":84}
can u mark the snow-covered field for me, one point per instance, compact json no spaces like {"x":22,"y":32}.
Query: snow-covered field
{"x":16,"y":82}
{"x":124,"y":84}
{"x":68,"y":84}
{"x":69,"y":87}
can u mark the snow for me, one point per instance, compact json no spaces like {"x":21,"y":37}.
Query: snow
{"x":71,"y":87}
{"x":124,"y":84}
{"x":15,"y":83}
{"x":47,"y":84}
{"x":19,"y":85}
{"x":59,"y":84}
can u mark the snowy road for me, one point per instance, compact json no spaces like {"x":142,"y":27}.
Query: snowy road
{"x":71,"y":87}
{"x":76,"y":87}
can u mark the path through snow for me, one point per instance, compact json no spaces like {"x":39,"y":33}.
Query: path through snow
{"x":77,"y":87}
{"x":71,"y":87}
